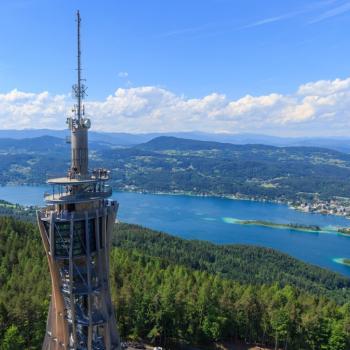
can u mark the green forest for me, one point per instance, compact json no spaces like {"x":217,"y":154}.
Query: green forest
{"x":245,"y":264}
{"x":162,"y":296}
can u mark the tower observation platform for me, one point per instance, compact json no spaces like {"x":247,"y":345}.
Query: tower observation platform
{"x":76,"y":228}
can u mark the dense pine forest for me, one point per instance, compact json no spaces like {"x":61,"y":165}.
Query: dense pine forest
{"x":242,"y":263}
{"x":162,"y":296}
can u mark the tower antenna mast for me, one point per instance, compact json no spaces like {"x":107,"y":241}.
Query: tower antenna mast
{"x":79,"y":88}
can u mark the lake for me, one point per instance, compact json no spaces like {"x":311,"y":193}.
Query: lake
{"x":211,"y":219}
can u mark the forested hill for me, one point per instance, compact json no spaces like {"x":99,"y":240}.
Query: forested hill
{"x":167,"y":143}
{"x":38,"y":144}
{"x":169,"y":164}
{"x":253,"y":171}
{"x":126,"y":139}
{"x":167,"y":302}
{"x":241,"y":263}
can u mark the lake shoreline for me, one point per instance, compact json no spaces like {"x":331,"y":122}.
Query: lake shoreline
{"x":188,"y":216}
{"x":288,"y":203}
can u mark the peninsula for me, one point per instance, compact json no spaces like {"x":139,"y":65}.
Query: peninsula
{"x":289,"y":226}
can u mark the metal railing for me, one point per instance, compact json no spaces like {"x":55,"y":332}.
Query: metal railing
{"x":79,"y":196}
{"x":93,"y":174}
{"x":67,"y":216}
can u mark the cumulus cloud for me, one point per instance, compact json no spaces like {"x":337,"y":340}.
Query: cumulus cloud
{"x":316,"y":108}
{"x":325,"y":87}
{"x":19,"y":110}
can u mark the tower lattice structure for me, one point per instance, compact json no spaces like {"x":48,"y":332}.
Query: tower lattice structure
{"x":76,"y":228}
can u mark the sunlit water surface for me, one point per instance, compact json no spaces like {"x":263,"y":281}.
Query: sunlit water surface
{"x":213,"y":219}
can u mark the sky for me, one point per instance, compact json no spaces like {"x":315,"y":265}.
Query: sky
{"x":234,"y":66}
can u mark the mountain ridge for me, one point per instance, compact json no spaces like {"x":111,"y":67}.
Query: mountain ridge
{"x":173,"y":165}
{"x":163,"y":143}
{"x":339,"y":143}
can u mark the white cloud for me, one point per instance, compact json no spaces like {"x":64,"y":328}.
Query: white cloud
{"x":335,"y":11}
{"x":316,"y":108}
{"x":123,"y":74}
{"x":20,"y":110}
{"x":325,"y":87}
{"x":272,"y":19}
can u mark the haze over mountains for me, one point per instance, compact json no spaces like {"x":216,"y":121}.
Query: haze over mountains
{"x":341,"y":144}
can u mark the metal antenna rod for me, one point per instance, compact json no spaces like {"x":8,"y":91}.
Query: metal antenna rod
{"x":79,"y":87}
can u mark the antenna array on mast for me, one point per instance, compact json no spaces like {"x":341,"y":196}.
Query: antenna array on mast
{"x":79,"y":89}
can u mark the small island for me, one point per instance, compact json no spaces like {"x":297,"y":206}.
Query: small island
{"x":342,"y":261}
{"x":290,"y":226}
{"x":345,"y":231}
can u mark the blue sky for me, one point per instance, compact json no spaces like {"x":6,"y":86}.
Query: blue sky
{"x":190,"y":49}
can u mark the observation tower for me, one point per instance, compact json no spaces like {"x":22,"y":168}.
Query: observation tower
{"x":76,"y":228}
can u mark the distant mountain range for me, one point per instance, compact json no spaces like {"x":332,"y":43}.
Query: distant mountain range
{"x":341,"y":144}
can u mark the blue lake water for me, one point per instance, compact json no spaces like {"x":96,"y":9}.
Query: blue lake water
{"x":204,"y":218}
